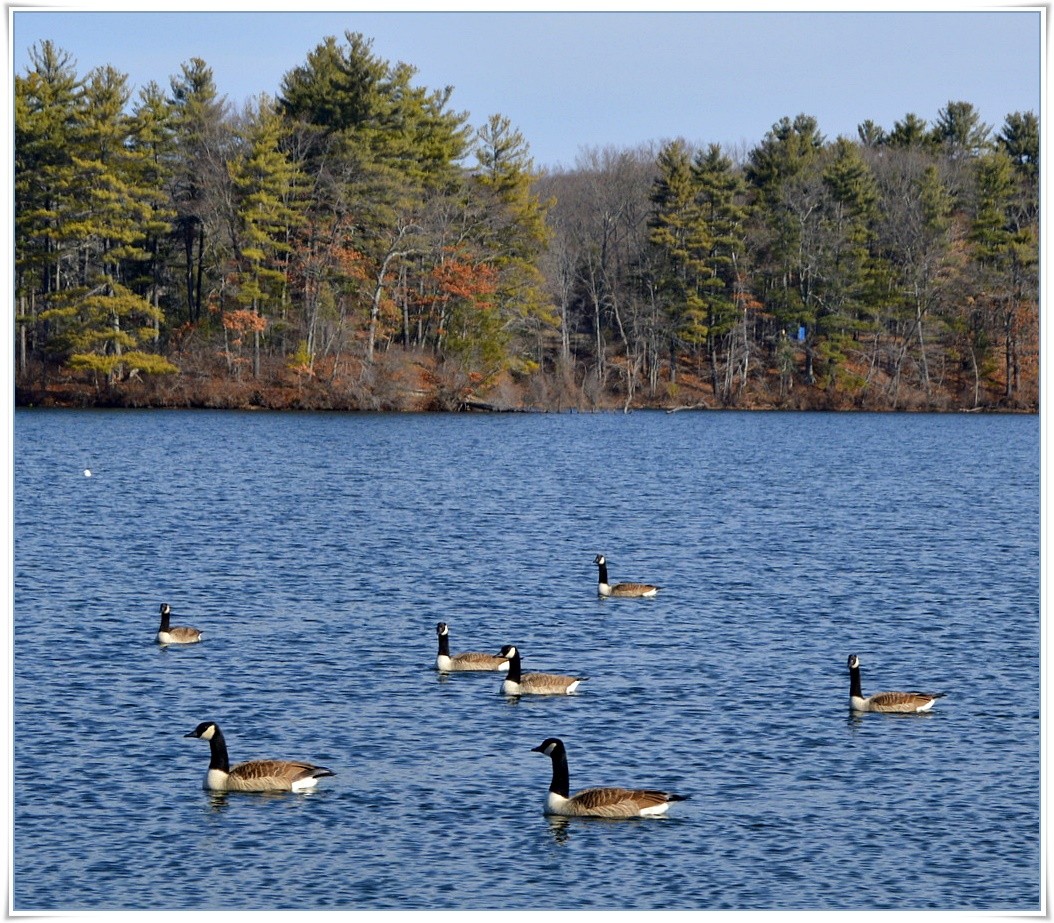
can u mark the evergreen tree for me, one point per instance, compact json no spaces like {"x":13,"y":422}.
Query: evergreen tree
{"x":787,"y":149}
{"x":1019,"y":137}
{"x":871,"y":135}
{"x":721,"y":217}
{"x":336,"y":89}
{"x":381,"y":148}
{"x":47,"y":103}
{"x":1006,"y":258}
{"x":266,"y":206}
{"x":675,"y":231}
{"x":427,"y":139}
{"x":152,"y":140}
{"x":847,"y":272}
{"x":513,"y":232}
{"x":344,"y":218}
{"x":960,"y":131}
{"x":102,"y":320}
{"x":784,"y":172}
{"x":374,"y":114}
{"x":910,"y":133}
{"x":200,"y":183}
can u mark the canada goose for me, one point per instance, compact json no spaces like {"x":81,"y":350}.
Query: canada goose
{"x":598,"y":802}
{"x":256,"y":775}
{"x":178,"y":635}
{"x":517,"y":683}
{"x":463,"y":662}
{"x":620,"y":589}
{"x":899,"y":702}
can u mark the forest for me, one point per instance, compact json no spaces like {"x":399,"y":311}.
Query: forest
{"x":357,"y":244}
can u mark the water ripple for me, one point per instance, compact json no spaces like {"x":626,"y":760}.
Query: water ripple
{"x":318,"y":552}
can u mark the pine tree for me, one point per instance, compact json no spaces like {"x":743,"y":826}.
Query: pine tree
{"x":152,"y":141}
{"x":784,"y":173}
{"x":960,"y":131}
{"x":870,"y":134}
{"x":102,"y":321}
{"x":721,"y":219}
{"x":1006,"y":259}
{"x":512,"y":231}
{"x":47,"y":101}
{"x":200,"y":184}
{"x":676,"y":232}
{"x":266,"y":216}
{"x":911,"y":133}
{"x":786,"y":150}
{"x":373,"y":114}
{"x":846,"y":267}
{"x":1019,"y":137}
{"x":381,"y":147}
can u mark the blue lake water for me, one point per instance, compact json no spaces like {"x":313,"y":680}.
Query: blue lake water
{"x":317,"y":552}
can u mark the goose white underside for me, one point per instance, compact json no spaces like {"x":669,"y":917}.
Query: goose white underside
{"x":513,"y":688}
{"x":445,"y":664}
{"x":171,"y":637}
{"x":658,"y":810}
{"x":608,"y":591}
{"x":866,"y":704}
{"x":561,"y":807}
{"x":216,"y":780}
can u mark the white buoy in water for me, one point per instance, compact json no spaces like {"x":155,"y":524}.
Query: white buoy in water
{"x":87,"y":472}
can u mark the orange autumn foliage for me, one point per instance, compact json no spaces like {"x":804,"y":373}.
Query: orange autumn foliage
{"x":475,"y":282}
{"x":241,"y":322}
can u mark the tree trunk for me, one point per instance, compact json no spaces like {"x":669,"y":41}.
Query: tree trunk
{"x":922,"y":346}
{"x":599,"y":339}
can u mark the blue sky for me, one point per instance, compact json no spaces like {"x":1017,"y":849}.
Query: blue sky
{"x":570,"y":81}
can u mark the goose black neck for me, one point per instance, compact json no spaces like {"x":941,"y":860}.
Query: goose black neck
{"x":603,"y":571}
{"x":514,"y":668}
{"x":561,"y":783}
{"x":166,"y":617}
{"x":444,"y":645}
{"x":855,"y":688}
{"x":218,"y":752}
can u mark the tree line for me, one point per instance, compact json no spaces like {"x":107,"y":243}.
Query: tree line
{"x":356,"y":242}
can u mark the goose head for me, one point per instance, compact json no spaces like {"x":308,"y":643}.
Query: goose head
{"x":206,"y":730}
{"x":549,"y":746}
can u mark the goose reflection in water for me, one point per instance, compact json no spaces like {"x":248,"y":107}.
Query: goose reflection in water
{"x":558,"y":828}
{"x":217,"y":802}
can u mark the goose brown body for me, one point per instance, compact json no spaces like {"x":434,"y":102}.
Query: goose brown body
{"x":625,"y":590}
{"x":889,"y":702}
{"x":520,"y":683}
{"x":610,"y":801}
{"x":254,"y":775}
{"x":468,"y":661}
{"x":175,"y":634}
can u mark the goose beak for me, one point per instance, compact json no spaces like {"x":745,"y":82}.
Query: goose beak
{"x":191,"y":734}
{"x":539,"y":749}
